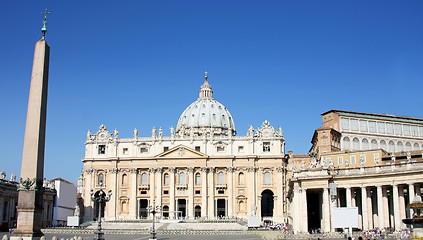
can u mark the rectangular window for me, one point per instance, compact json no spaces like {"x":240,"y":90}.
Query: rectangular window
{"x":398,"y":129}
{"x":353,"y":160}
{"x":165,"y":192}
{"x":372,"y":126}
{"x":143,"y":150}
{"x":266,"y":147}
{"x":406,"y":129}
{"x":220,"y":149}
{"x":197,"y":179}
{"x":197,"y":192}
{"x":101,"y":149}
{"x":221,"y":192}
{"x":166,"y":180}
{"x":381,"y":127}
{"x":125,"y":151}
{"x":421,"y":131}
{"x":197,"y":148}
{"x":414,"y":131}
{"x":143,"y":192}
{"x":165,"y":149}
{"x":389,"y":128}
{"x":363,"y":126}
{"x":354,"y":124}
{"x":240,"y":149}
{"x":345,"y":123}
{"x":340,"y":160}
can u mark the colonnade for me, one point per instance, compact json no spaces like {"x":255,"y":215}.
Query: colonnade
{"x":379,"y":206}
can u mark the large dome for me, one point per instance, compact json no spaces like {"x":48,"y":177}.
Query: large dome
{"x":206,"y":116}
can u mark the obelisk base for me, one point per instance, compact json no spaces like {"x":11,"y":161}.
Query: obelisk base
{"x":29,"y":215}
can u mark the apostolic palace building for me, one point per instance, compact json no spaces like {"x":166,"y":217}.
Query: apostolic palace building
{"x":205,"y":170}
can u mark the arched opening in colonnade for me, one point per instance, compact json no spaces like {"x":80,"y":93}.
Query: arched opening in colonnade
{"x":96,"y":206}
{"x":267,"y":203}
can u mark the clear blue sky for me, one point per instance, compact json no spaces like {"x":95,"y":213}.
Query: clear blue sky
{"x":130,"y":64}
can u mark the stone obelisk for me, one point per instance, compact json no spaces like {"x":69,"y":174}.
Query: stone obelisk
{"x":31,"y":189}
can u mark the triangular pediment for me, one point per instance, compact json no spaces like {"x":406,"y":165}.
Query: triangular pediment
{"x":181,"y":151}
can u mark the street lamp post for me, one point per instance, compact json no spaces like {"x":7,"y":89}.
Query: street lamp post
{"x":101,"y":199}
{"x":153,"y":210}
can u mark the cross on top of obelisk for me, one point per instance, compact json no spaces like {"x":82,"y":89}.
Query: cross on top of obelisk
{"x":44,"y":29}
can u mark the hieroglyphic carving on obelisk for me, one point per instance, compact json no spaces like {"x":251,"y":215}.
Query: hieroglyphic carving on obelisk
{"x":32,"y":171}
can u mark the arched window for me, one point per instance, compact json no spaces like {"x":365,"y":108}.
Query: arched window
{"x":373,"y":144}
{"x":124,"y":179}
{"x":391,"y":146}
{"x":356,"y":144}
{"x":408,"y":146}
{"x":197,"y":179}
{"x":220,"y":178}
{"x":400,"y":147}
{"x":267,"y":178}
{"x":100,"y":179}
{"x":166,"y":179}
{"x":241,"y":179}
{"x":144,"y":180}
{"x":346,"y":143}
{"x":416,"y":147}
{"x":383,"y":145}
{"x":365,"y":144}
{"x":181,"y":178}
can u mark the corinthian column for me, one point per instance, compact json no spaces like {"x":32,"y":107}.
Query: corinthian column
{"x":172,"y":171}
{"x":89,"y":206}
{"x":231,"y":206}
{"x":133,"y":200}
{"x":112,"y":205}
{"x":204,"y":192}
{"x":190,"y":192}
{"x":152,"y":185}
{"x":212,"y":170}
{"x":251,"y":190}
{"x":159,"y":186}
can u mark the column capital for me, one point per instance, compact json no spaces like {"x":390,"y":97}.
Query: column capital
{"x":230,"y":169}
{"x":133,"y":170}
{"x":89,"y":171}
{"x":279,"y":169}
{"x":204,"y":169}
{"x":212,"y":169}
{"x":172,"y":169}
{"x":113,"y":170}
{"x":159,"y":170}
{"x":190,"y":169}
{"x":252,"y":169}
{"x":152,"y":170}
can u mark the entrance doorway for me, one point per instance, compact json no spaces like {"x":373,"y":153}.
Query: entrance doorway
{"x":267,"y":203}
{"x":182,"y":206}
{"x":143,"y":208}
{"x":197,"y":211}
{"x":221,"y":208}
{"x":165,"y":212}
{"x":314,"y":209}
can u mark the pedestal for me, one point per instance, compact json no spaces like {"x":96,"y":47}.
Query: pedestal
{"x":29,"y":214}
